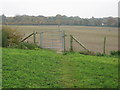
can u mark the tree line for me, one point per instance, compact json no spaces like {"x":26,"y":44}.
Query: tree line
{"x":59,"y":20}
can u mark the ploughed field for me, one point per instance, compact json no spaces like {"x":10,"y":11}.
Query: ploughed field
{"x":91,"y":37}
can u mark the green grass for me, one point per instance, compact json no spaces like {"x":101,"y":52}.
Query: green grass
{"x":47,"y":69}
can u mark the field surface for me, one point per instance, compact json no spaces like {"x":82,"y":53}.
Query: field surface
{"x":47,"y":69}
{"x":91,"y":37}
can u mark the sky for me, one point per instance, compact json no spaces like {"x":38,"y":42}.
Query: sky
{"x":81,"y":8}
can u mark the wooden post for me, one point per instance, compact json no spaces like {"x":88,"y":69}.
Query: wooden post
{"x":64,"y":40}
{"x":104,"y":50}
{"x":71,"y":43}
{"x":34,"y":37}
{"x":80,"y":43}
{"x":27,"y":37}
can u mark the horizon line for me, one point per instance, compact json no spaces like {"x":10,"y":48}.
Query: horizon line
{"x":56,"y":15}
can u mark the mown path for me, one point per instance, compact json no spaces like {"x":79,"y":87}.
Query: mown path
{"x":68,"y":72}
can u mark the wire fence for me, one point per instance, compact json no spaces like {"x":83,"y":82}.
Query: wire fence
{"x":60,"y":40}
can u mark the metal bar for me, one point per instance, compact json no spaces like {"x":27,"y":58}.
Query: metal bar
{"x":53,"y":45}
{"x":53,"y":31}
{"x":41,"y":36}
{"x":51,"y":34}
{"x":53,"y":48}
{"x":52,"y":39}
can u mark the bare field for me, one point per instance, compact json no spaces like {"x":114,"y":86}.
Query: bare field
{"x":91,"y":37}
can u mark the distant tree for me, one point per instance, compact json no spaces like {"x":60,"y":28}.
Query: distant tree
{"x":111,"y":21}
{"x":59,"y":20}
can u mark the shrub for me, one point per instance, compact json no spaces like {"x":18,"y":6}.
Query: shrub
{"x":25,"y":45}
{"x":87,"y":53}
{"x":115,"y":53}
{"x":100,"y":54}
{"x":91,"y":53}
{"x":10,"y":37}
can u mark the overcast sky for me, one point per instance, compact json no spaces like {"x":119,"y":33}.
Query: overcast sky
{"x":81,"y":8}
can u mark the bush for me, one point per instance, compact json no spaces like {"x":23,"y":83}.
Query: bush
{"x":91,"y":53}
{"x":100,"y":54}
{"x":25,"y":45}
{"x":87,"y":53}
{"x":115,"y":53}
{"x":10,"y":37}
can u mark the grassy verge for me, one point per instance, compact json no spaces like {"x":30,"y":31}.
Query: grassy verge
{"x":46,"y":69}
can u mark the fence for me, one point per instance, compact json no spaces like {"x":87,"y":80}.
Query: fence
{"x":48,"y":39}
{"x":57,"y":40}
{"x":53,"y":40}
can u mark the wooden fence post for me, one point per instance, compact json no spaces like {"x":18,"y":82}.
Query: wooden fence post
{"x":34,"y":37}
{"x":71,"y":43}
{"x":64,"y":40}
{"x":27,"y":37}
{"x":104,"y":45}
{"x":80,"y":43}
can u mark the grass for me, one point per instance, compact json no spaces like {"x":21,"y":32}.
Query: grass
{"x":47,"y":69}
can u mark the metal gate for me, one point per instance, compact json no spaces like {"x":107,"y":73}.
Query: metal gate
{"x":53,"y":40}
